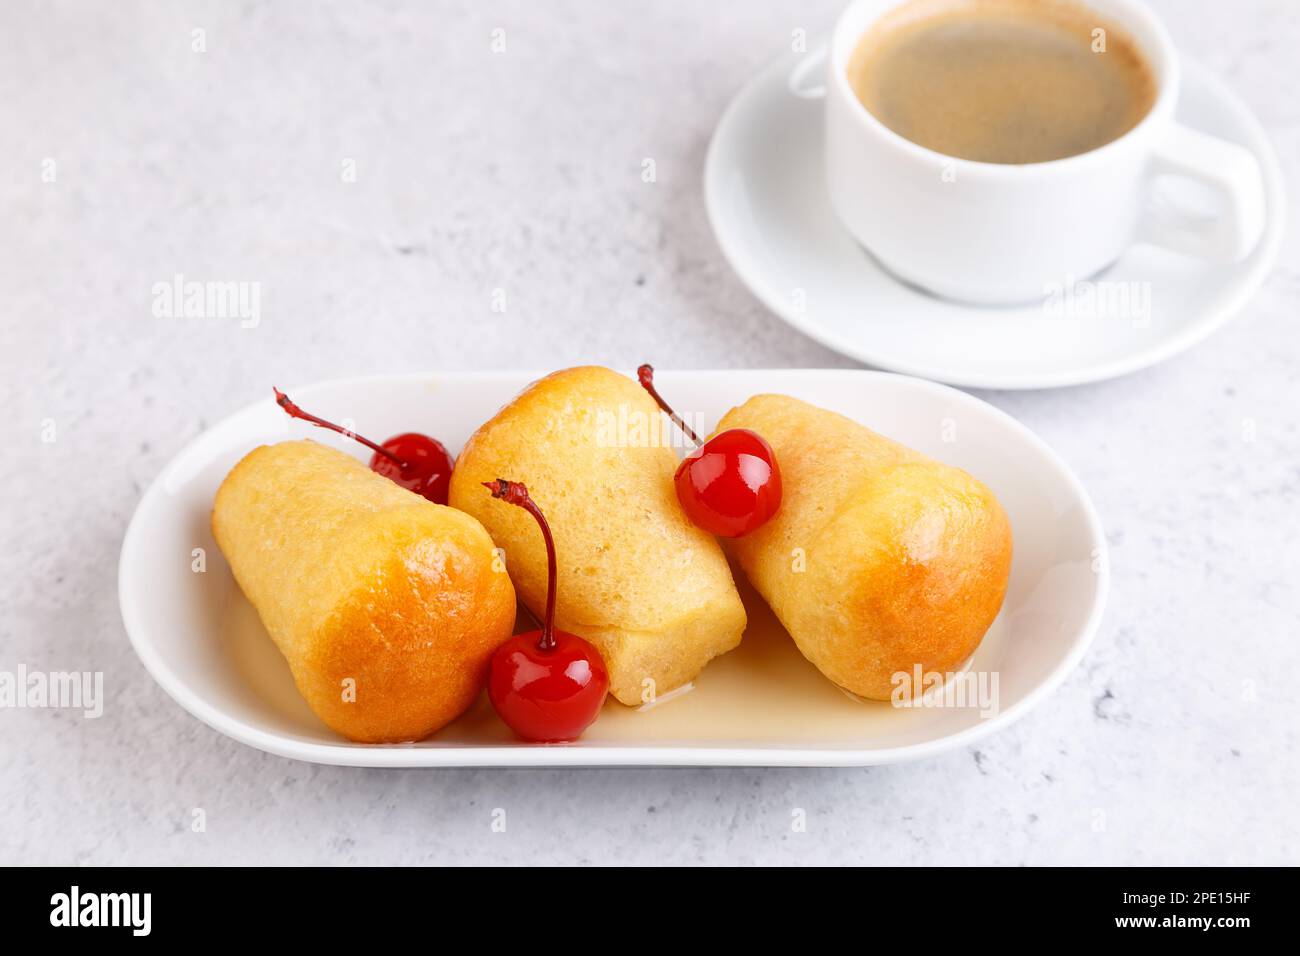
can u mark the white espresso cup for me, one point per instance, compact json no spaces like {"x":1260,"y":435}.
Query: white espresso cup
{"x":997,"y":233}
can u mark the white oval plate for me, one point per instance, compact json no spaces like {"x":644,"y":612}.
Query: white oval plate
{"x":760,"y":705}
{"x":768,"y":207}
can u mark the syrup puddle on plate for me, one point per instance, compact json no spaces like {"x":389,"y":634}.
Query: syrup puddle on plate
{"x":762,"y":694}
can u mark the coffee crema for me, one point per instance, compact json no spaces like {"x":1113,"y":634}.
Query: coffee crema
{"x":1002,"y":81}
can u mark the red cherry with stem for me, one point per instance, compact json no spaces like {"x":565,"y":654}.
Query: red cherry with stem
{"x":416,"y":462}
{"x":548,"y":685}
{"x":730,"y":484}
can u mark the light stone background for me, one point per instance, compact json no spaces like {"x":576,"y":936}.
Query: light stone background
{"x":521,"y":170}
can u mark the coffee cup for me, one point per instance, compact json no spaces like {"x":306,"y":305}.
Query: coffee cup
{"x":1003,"y":232}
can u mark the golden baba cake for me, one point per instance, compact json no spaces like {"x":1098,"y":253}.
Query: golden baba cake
{"x":386,"y":606}
{"x":652,"y":591}
{"x":879,"y":558}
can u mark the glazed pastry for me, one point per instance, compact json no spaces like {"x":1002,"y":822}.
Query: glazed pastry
{"x":879,"y":558}
{"x":653,"y":592}
{"x":386,"y":606}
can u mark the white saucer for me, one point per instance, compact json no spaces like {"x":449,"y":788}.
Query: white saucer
{"x":762,"y":704}
{"x":769,"y":210}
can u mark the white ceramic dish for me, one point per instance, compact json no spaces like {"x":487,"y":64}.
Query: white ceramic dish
{"x":767,"y":202}
{"x":761,"y":705}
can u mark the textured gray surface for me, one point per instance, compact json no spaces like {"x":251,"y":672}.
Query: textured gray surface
{"x":1174,"y":742}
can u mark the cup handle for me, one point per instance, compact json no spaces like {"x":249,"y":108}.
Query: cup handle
{"x":1229,"y":171}
{"x":806,"y":70}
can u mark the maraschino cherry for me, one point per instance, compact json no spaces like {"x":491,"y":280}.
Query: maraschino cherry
{"x":548,"y":685}
{"x":416,"y":462}
{"x":730,"y":484}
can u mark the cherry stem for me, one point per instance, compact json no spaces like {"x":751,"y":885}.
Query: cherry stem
{"x":516,"y":493}
{"x":294,"y":411}
{"x":646,"y":376}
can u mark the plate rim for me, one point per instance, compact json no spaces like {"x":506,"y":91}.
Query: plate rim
{"x":423,"y":754}
{"x":1243,"y":289}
